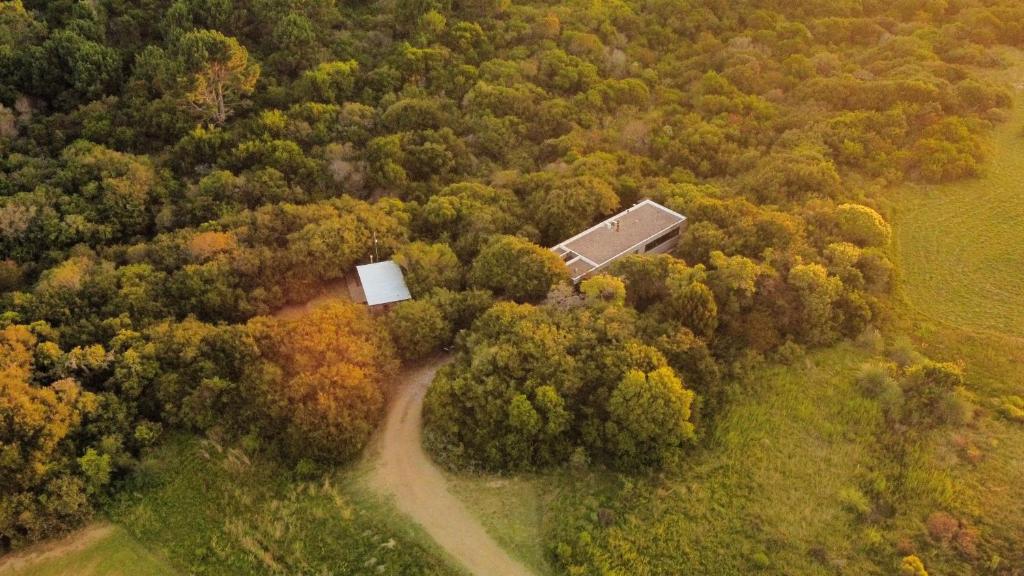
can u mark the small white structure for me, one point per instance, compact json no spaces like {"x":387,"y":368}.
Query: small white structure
{"x":382,"y":283}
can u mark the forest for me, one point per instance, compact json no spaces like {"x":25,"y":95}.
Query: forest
{"x":174,"y":173}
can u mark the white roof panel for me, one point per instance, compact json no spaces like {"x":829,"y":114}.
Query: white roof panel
{"x":383,"y":283}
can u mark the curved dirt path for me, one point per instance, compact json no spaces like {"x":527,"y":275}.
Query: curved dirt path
{"x":40,"y":553}
{"x":402,"y":470}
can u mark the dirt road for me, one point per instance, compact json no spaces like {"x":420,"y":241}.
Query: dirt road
{"x":403,"y":470}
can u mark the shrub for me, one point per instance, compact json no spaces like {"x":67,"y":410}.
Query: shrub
{"x":855,"y":501}
{"x":966,"y":540}
{"x":912,"y":566}
{"x":875,"y":379}
{"x":418,"y":328}
{"x":941,"y":527}
{"x":862,"y":225}
{"x":1012,"y":408}
{"x":930,"y":392}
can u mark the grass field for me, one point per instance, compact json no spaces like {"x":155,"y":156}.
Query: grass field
{"x":513,"y":512}
{"x":961,"y":245}
{"x":212,"y":510}
{"x":768,"y":494}
{"x":961,"y":249}
{"x":98,"y":550}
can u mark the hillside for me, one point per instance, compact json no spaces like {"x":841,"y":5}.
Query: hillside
{"x":790,"y":344}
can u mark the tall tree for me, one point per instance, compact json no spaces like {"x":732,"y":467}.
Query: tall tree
{"x":218,"y":73}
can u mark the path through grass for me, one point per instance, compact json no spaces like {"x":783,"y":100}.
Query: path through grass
{"x":213,"y":510}
{"x":100,"y":549}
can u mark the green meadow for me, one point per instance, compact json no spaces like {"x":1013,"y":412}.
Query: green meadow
{"x":961,"y":249}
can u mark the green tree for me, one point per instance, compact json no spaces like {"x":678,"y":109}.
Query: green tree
{"x":862,"y":225}
{"x":572,"y":205}
{"x":428,"y":266}
{"x":329,"y":413}
{"x":39,"y":425}
{"x":331,"y":82}
{"x":692,"y":304}
{"x":649,"y":419}
{"x":817,"y":293}
{"x":294,"y":38}
{"x":218,"y":73}
{"x":604,"y":290}
{"x":72,"y":69}
{"x":418,"y":328}
{"x":96,"y":470}
{"x":322,"y":380}
{"x":517,"y":268}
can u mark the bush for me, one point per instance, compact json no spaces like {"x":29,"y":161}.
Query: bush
{"x":875,"y":379}
{"x":930,"y":390}
{"x":862,"y":225}
{"x":418,"y":328}
{"x":912,"y":566}
{"x":1011,"y":408}
{"x":855,"y":501}
{"x":942,"y":527}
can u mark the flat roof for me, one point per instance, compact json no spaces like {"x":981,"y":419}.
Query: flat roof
{"x":383,"y":283}
{"x":604,"y":242}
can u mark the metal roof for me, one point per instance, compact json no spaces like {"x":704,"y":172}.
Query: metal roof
{"x":383,"y":283}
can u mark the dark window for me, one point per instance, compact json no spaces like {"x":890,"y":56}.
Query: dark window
{"x":661,"y":239}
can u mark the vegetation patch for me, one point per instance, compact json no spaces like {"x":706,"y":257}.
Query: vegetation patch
{"x":215,"y":510}
{"x":99,"y":549}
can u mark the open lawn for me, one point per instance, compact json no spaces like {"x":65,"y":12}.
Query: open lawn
{"x":961,"y":245}
{"x":513,"y":510}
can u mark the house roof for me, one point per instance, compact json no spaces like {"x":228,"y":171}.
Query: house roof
{"x":616,"y":236}
{"x":383,"y":283}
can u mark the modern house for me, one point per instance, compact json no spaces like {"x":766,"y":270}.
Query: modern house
{"x":379,"y":285}
{"x":646,"y":227}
